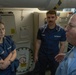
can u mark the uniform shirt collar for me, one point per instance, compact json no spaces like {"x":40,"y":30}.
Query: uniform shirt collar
{"x":57,"y":28}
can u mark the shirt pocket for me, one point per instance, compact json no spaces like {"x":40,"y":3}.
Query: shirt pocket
{"x":56,"y":37}
{"x":9,"y":48}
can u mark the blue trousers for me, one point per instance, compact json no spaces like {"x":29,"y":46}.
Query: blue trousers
{"x":7,"y":72}
{"x":43,"y":62}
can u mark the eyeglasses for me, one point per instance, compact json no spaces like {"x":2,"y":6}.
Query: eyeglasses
{"x":70,"y":26}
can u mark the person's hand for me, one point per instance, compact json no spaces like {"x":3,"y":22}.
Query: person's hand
{"x":7,"y":63}
{"x":1,"y":61}
{"x":4,"y":65}
{"x":59,"y":57}
{"x":35,"y":58}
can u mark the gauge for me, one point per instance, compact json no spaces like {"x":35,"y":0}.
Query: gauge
{"x":25,"y":56}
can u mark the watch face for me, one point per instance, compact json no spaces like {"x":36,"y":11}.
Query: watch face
{"x":25,"y":56}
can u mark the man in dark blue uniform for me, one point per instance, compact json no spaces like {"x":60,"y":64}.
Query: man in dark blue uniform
{"x":50,"y":41}
{"x":8,"y":62}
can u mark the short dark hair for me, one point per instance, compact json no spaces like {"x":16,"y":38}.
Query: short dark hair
{"x":51,"y":12}
{"x":1,"y":22}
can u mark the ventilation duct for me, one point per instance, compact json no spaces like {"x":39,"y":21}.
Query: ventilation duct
{"x":41,"y":4}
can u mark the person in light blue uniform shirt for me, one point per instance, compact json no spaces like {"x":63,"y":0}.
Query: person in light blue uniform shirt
{"x":67,"y":61}
{"x":49,"y":37}
{"x":8,"y":61}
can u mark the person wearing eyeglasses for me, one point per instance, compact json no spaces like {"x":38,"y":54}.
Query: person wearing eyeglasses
{"x":67,"y":61}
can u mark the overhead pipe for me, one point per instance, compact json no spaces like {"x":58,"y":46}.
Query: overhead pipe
{"x":61,"y":4}
{"x":41,"y":4}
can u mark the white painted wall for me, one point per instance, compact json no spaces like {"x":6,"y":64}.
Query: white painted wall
{"x":24,"y":20}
